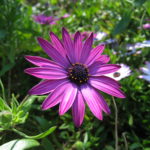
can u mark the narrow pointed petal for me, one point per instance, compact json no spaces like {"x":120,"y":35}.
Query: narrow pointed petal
{"x":46,"y":73}
{"x":95,"y":54}
{"x":78,"y":110}
{"x":146,"y":77}
{"x":103,"y":59}
{"x":77,"y":45}
{"x":106,"y":87}
{"x":87,"y":47}
{"x":42,"y":62}
{"x":92,"y":101}
{"x":99,"y":69}
{"x":55,"y":97}
{"x":52,"y":52}
{"x":108,"y":80}
{"x":145,"y":70}
{"x":45,"y":87}
{"x":68,"y":45}
{"x":68,"y":98}
{"x":57,"y":44}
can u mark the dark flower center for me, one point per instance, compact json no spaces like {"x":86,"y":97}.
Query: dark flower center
{"x":78,"y":73}
{"x":116,"y":74}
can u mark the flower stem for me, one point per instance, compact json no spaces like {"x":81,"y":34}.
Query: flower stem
{"x":116,"y":124}
{"x":125,"y":140}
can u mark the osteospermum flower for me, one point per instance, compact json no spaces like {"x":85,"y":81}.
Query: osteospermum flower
{"x":146,"y":71}
{"x":74,"y":76}
{"x":85,"y":35}
{"x":100,"y":35}
{"x":42,"y":19}
{"x":146,"y":26}
{"x":121,"y":73}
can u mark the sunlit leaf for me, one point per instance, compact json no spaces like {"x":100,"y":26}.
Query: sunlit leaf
{"x":19,"y":144}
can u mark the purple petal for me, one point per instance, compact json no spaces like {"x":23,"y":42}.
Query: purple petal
{"x":103,"y":59}
{"x":57,"y":44}
{"x":68,"y":45}
{"x":90,"y":97}
{"x":108,"y":80}
{"x":42,"y":62}
{"x":98,"y":69}
{"x":46,"y":73}
{"x":68,"y":98}
{"x":52,"y":52}
{"x":77,"y":45}
{"x":86,"y":49}
{"x":45,"y":87}
{"x":55,"y":97}
{"x":78,"y":109}
{"x":106,"y":87}
{"x":95,"y":54}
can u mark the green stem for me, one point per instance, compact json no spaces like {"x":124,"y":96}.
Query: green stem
{"x":116,"y":124}
{"x":125,"y":141}
{"x":3,"y":91}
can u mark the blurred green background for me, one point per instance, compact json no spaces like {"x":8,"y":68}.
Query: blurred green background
{"x":122,"y":20}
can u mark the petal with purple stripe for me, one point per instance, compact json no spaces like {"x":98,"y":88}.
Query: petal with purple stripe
{"x":104,"y":59}
{"x":45,"y":87}
{"x":68,"y":45}
{"x":92,"y":101}
{"x":78,"y":109}
{"x":46,"y":73}
{"x":108,"y":80}
{"x":99,"y":69}
{"x":52,"y":52}
{"x":86,"y":49}
{"x":68,"y":98}
{"x":57,"y":44}
{"x":106,"y":87}
{"x":77,"y":45}
{"x":42,"y":62}
{"x":95,"y":54}
{"x":55,"y":97}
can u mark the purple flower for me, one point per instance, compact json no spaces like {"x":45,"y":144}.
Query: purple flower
{"x":146,"y":26}
{"x":74,"y":76}
{"x":146,"y":71}
{"x":65,"y":16}
{"x":42,"y":19}
{"x":85,"y":35}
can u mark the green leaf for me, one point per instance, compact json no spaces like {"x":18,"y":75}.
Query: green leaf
{"x":130,"y":120}
{"x":14,"y":104}
{"x":26,"y":103}
{"x":39,"y":136}
{"x":5,"y":119}
{"x":19,"y":144}
{"x":147,"y":5}
{"x":123,"y":23}
{"x":3,"y":105}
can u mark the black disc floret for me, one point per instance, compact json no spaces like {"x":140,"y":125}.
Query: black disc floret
{"x":78,"y":73}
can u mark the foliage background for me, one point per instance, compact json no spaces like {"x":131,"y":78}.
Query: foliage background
{"x":121,"y":20}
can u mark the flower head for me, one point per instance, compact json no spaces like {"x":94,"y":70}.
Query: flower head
{"x":100,"y":35}
{"x":65,"y":16}
{"x":74,"y":76}
{"x":146,"y":26}
{"x":42,"y":19}
{"x":85,"y":35}
{"x":123,"y":72}
{"x":146,"y":71}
